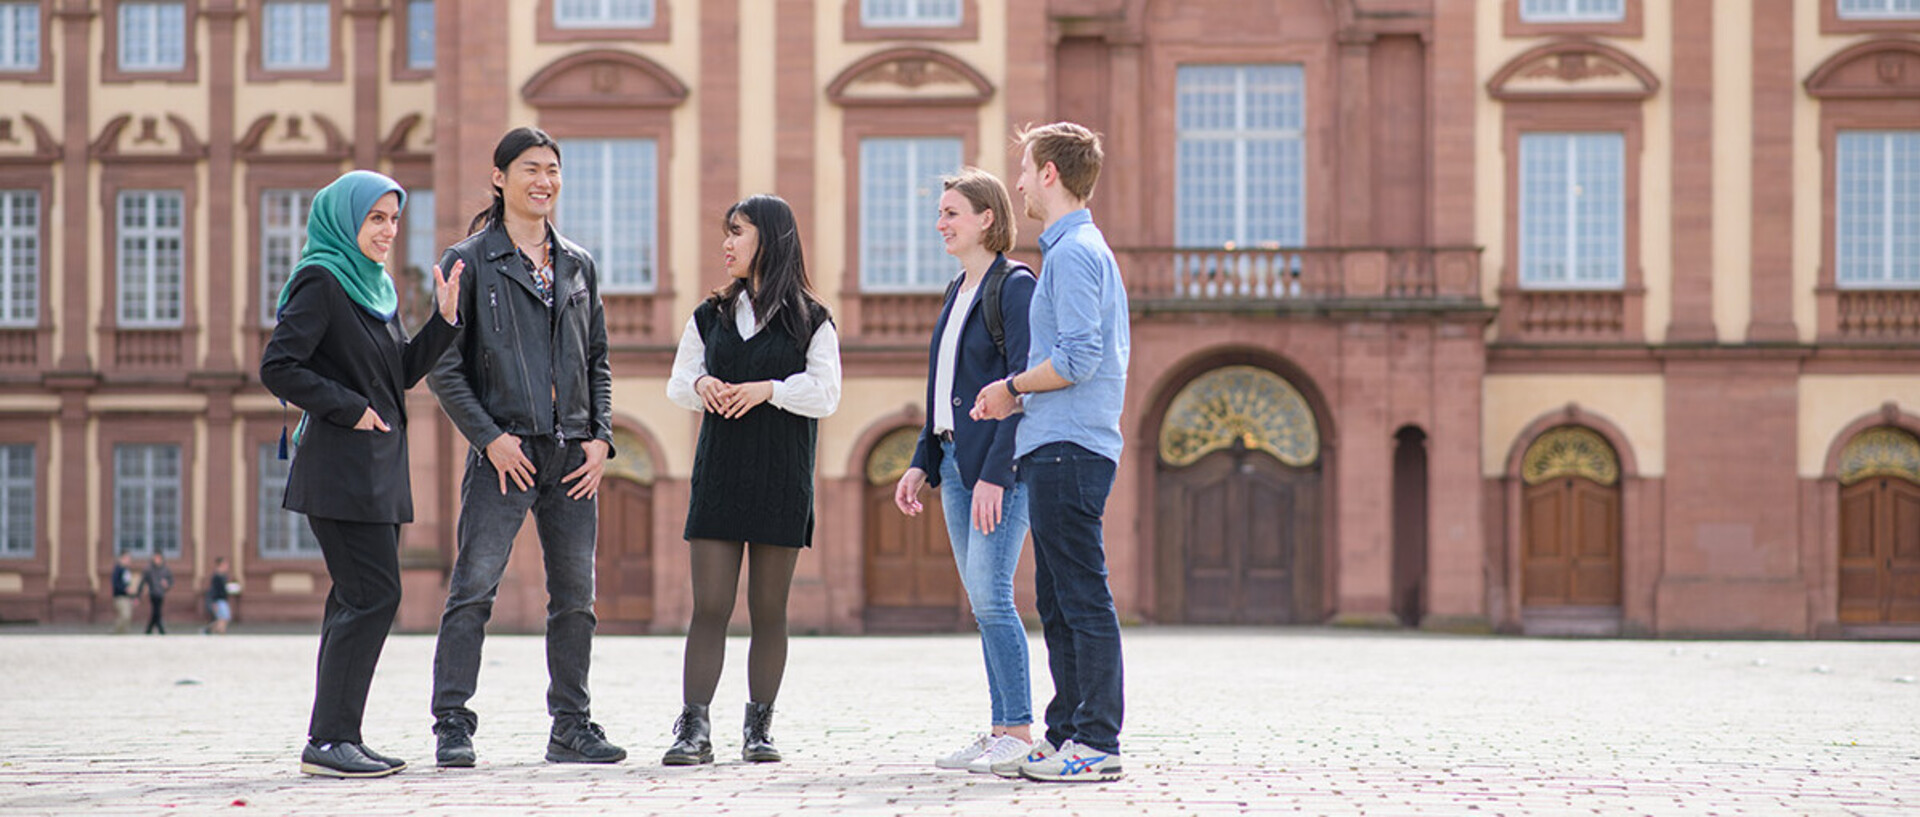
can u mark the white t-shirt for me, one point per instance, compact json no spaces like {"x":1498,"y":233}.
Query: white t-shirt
{"x":949,"y":360}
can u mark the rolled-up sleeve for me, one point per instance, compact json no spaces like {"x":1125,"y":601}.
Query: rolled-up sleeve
{"x":1077,"y":344}
{"x":816,"y":391}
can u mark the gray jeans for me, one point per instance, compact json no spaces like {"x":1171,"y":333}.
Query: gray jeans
{"x":488,"y":521}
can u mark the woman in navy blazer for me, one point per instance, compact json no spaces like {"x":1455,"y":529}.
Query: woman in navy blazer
{"x":972,"y":462}
{"x":339,"y":352}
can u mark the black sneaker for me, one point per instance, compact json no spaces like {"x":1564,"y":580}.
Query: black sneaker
{"x":340,"y":760}
{"x":584,"y":742}
{"x":393,"y":763}
{"x":453,"y":747}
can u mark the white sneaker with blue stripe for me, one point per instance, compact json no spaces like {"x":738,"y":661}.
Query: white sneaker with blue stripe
{"x":1074,"y":763}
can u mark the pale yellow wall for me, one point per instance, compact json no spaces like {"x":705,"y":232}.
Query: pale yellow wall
{"x":184,"y":402}
{"x":759,"y":80}
{"x":1635,"y":404}
{"x":863,"y":403}
{"x":1655,"y":50}
{"x":644,"y":400}
{"x":29,"y":403}
{"x":1732,"y":168}
{"x":1830,"y":403}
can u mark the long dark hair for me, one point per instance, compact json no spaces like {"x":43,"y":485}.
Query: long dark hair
{"x":784,"y":297}
{"x":516,"y":142}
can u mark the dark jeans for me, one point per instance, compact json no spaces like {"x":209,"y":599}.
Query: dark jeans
{"x":1067,"y":488}
{"x":156,"y":609}
{"x":488,"y":522}
{"x":363,"y":560}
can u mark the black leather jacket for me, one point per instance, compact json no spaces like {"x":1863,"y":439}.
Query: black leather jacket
{"x":515,"y":369}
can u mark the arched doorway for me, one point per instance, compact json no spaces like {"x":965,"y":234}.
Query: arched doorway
{"x":1880,"y":528}
{"x":1570,"y":565}
{"x":1237,"y":488}
{"x":624,"y":559}
{"x":911,"y":583}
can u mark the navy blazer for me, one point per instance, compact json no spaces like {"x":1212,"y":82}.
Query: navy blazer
{"x":334,"y":360}
{"x":985,"y":448}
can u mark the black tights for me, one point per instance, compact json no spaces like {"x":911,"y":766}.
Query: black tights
{"x":716,"y":577}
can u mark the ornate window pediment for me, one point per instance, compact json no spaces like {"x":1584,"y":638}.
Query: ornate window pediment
{"x":1573,"y":69}
{"x":147,"y":141}
{"x":1880,"y":452}
{"x":26,"y":141}
{"x":604,"y":78}
{"x":910,"y":76}
{"x":1570,"y":451}
{"x":296,"y":138}
{"x":1877,"y":69}
{"x":1239,"y":406}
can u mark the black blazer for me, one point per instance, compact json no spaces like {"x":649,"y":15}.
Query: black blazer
{"x":333,"y":360}
{"x":985,"y":449}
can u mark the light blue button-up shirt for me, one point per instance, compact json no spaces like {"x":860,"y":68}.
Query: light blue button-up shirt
{"x":1079,"y":321}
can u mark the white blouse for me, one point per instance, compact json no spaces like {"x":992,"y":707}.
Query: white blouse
{"x":811,"y":393}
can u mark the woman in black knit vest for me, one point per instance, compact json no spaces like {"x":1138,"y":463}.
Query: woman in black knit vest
{"x":761,"y":359}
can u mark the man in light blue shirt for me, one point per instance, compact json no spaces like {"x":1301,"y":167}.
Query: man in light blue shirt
{"x":1068,"y":447}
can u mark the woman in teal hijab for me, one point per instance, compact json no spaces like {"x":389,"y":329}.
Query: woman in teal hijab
{"x":339,"y":352}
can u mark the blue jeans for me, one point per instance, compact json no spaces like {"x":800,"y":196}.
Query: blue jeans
{"x":488,"y":522}
{"x":1067,"y":495}
{"x":987,"y":562}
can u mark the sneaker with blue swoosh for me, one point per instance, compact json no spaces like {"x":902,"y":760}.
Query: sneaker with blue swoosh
{"x":1074,"y":763}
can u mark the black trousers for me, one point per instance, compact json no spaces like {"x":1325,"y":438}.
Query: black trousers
{"x":364,"y":561}
{"x":156,"y":606}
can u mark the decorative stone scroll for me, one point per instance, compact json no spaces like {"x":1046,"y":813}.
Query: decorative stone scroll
{"x":1570,"y":451}
{"x":1243,"y":405}
{"x":1881,"y":452}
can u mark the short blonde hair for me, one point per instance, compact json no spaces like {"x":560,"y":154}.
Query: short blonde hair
{"x":984,"y":191}
{"x":1074,"y":151}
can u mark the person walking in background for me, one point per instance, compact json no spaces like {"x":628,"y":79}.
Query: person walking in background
{"x":339,"y":352}
{"x":122,"y":594}
{"x":761,"y":359}
{"x":219,"y":610}
{"x":981,"y":336}
{"x":530,"y":387}
{"x":1074,"y":387}
{"x":156,"y":582}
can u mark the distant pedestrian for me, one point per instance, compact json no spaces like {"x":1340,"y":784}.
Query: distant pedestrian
{"x":218,"y":608}
{"x":122,"y":594}
{"x":156,"y":582}
{"x":761,"y":361}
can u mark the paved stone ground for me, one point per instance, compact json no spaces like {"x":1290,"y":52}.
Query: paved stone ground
{"x":1218,"y":722}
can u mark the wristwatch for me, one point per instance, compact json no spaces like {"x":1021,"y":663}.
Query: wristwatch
{"x":1012,"y":389}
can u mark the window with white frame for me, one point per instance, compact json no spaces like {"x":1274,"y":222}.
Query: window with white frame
{"x":1877,"y":209}
{"x":899,"y":197}
{"x":1573,"y":11}
{"x":612,"y":208}
{"x":1879,"y":9}
{"x":146,"y":499}
{"x":153,"y":36}
{"x":19,"y":257}
{"x":297,"y":35}
{"x":420,"y":34}
{"x":152,"y":258}
{"x":1240,"y":167}
{"x":16,"y":501}
{"x":283,"y":534}
{"x":910,"y":13}
{"x":1572,"y":210}
{"x":283,"y":230}
{"x":603,"y":13}
{"x":19,"y":36}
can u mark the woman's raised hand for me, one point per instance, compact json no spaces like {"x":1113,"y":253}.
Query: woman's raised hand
{"x":446,"y":288}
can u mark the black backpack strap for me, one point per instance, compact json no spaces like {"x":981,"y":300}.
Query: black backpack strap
{"x":990,"y":302}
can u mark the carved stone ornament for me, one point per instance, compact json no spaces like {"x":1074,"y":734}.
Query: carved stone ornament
{"x":1875,"y":69}
{"x":1570,"y":451}
{"x":910,"y":76}
{"x":630,"y":459}
{"x":1239,"y":405}
{"x":1580,"y":69}
{"x":604,"y":78}
{"x":892,"y":455}
{"x":1881,"y":452}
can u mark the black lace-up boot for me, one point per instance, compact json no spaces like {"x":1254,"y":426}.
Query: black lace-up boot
{"x":692,"y":745}
{"x":757,"y":745}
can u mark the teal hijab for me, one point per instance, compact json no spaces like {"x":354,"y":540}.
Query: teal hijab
{"x":333,"y":241}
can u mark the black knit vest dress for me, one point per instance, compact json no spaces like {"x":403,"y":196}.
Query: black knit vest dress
{"x":753,"y":476}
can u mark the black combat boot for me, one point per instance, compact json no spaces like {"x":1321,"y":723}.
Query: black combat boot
{"x":757,"y":745}
{"x":692,"y":745}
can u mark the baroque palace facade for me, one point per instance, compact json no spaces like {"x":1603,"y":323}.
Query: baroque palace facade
{"x":1550,"y":316}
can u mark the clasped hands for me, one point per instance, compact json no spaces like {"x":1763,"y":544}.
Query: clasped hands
{"x":731,"y":400}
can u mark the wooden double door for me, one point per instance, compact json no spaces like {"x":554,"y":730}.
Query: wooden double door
{"x":911,"y":583}
{"x":1570,"y":546}
{"x":623,"y":588}
{"x":1880,"y":552}
{"x":1239,"y":540}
